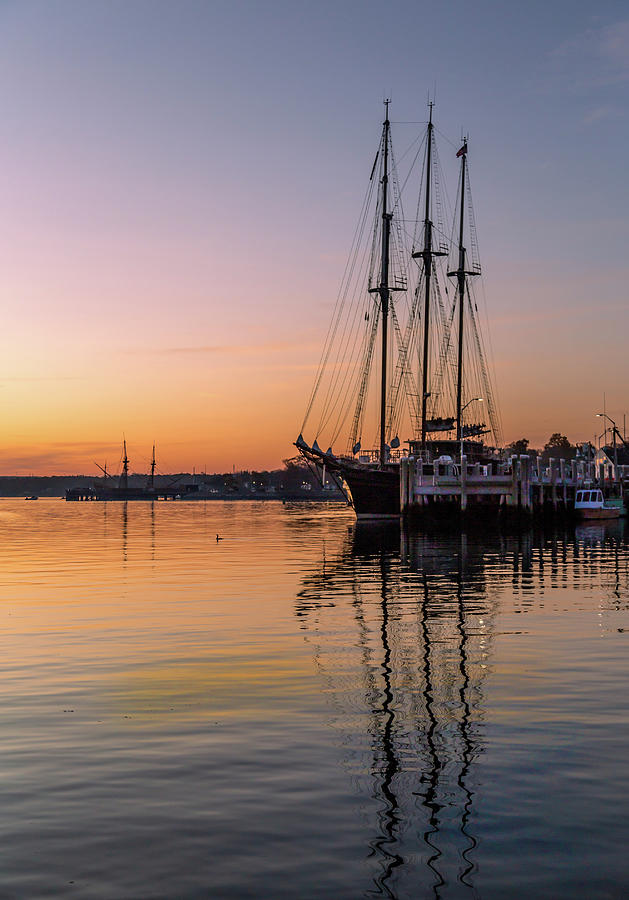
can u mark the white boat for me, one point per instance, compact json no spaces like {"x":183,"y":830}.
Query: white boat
{"x":591,"y":504}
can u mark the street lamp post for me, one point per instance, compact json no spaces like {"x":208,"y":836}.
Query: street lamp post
{"x":605,"y":416}
{"x":473,"y":400}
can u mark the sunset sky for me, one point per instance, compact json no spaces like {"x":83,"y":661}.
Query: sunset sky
{"x":179,"y":184}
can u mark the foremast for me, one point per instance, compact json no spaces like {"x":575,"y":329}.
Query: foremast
{"x":384,"y":289}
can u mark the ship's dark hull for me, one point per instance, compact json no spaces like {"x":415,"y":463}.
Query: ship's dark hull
{"x":125,"y":494}
{"x":375,"y":491}
{"x":100,"y":493}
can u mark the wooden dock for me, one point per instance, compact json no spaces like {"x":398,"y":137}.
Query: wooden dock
{"x":523,"y":485}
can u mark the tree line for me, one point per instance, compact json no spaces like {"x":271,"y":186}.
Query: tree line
{"x":557,"y":447}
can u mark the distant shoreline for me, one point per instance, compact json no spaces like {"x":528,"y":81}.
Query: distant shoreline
{"x":242,"y":486}
{"x":297,"y":484}
{"x":312,"y":497}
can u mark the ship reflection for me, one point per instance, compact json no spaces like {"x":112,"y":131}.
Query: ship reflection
{"x":385,"y":761}
{"x":451,"y":687}
{"x":423,"y":631}
{"x":402,"y":624}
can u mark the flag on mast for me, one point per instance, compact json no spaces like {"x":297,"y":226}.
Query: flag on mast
{"x":463,"y":150}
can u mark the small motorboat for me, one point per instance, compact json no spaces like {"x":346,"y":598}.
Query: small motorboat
{"x":31,"y":498}
{"x":591,"y":505}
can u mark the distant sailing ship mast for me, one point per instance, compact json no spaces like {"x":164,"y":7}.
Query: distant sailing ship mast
{"x":124,"y":475}
{"x":152,"y":476}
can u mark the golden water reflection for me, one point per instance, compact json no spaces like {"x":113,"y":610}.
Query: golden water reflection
{"x":308,"y":707}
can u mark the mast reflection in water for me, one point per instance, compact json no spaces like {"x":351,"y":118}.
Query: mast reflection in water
{"x":409,"y":689}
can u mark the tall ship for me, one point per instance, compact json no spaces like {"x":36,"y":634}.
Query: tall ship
{"x":405,"y":352}
{"x":111,"y":487}
{"x":118,"y":487}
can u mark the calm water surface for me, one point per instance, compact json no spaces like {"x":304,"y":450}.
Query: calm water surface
{"x":308,"y":708}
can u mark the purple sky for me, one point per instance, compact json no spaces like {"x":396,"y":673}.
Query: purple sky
{"x":179,"y":183}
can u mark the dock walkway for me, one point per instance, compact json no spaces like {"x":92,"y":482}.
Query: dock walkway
{"x":521,"y":483}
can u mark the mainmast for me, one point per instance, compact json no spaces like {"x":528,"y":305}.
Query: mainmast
{"x":384,"y":281}
{"x":426,"y":255}
{"x":152,"y":478}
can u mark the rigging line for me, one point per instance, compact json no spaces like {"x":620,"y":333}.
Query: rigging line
{"x":344,"y":296}
{"x":487,"y":332}
{"x":357,"y":304}
{"x":339,"y":371}
{"x":442,"y":198}
{"x":475,"y":256}
{"x":411,"y":337}
{"x":453,"y":261}
{"x":406,"y":153}
{"x":355,"y":432}
{"x":395,"y":386}
{"x":375,"y":163}
{"x":444,"y":234}
{"x":343,"y":377}
{"x":402,"y":298}
{"x":412,"y":166}
{"x":366,"y":370}
{"x":403,"y":374}
{"x":349,"y":284}
{"x":418,"y":216}
{"x":444,"y":359}
{"x":397,"y":373}
{"x":400,"y":251}
{"x":476,"y":362}
{"x":375,"y":242}
{"x":493,"y":418}
{"x":339,"y":300}
{"x":389,"y":378}
{"x":454,"y":145}
{"x":374,"y":246}
{"x":343,"y":352}
{"x":349,"y":386}
{"x":337,"y":316}
{"x":326,"y":365}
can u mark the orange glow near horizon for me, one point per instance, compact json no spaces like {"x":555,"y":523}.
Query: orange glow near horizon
{"x":212,"y":406}
{"x":213,"y":409}
{"x":175,"y":226}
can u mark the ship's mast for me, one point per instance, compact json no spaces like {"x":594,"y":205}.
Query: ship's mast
{"x":384,"y":281}
{"x":124,"y":478}
{"x":383,"y":289}
{"x":460,"y":274}
{"x":152,"y":479}
{"x":426,"y":255}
